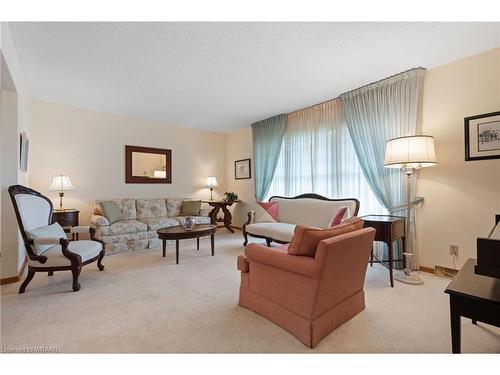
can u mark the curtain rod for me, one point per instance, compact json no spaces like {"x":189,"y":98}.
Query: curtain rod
{"x":368,"y":84}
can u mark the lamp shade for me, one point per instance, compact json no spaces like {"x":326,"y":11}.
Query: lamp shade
{"x":416,"y":151}
{"x":212,"y":182}
{"x":61,"y":183}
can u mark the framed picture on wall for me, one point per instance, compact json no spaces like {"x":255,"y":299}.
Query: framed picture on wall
{"x":482,"y":136}
{"x":242,"y":169}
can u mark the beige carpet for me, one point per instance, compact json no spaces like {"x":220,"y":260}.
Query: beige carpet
{"x":145,"y":303}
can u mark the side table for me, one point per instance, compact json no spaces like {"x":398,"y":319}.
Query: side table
{"x":227,"y":218}
{"x":389,"y":229}
{"x":66,"y":218}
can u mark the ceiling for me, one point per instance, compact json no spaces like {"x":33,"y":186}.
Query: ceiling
{"x":224,"y":76}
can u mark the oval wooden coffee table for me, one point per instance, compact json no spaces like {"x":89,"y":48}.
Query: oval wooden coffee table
{"x":180,"y":233}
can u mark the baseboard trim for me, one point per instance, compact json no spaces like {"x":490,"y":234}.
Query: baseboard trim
{"x":426,"y":269}
{"x":15,"y":279}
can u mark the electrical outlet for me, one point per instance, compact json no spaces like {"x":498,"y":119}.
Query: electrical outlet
{"x":454,"y":250}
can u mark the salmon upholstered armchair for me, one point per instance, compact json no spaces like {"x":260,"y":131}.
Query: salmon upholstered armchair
{"x":307,"y":296}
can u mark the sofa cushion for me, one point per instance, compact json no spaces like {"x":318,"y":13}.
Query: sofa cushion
{"x":278,"y":231}
{"x":111,"y":211}
{"x":174,"y":206}
{"x":157,"y":223}
{"x":148,"y":208}
{"x":305,"y":239}
{"x":124,"y":227}
{"x":197,"y":219}
{"x":311,"y":212}
{"x":127,"y":206}
{"x":191,"y":208}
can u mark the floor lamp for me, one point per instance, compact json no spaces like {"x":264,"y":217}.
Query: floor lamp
{"x":409,"y":154}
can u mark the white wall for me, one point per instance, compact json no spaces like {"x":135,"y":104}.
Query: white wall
{"x":239,"y":146}
{"x":13,"y":255}
{"x":89,"y":146}
{"x":461,"y":198}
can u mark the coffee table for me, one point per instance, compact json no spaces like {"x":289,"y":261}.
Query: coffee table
{"x":180,"y":233}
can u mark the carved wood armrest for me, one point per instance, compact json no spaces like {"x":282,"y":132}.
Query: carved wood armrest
{"x":250,"y":216}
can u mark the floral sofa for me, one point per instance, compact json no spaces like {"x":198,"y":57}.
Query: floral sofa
{"x":141,"y":219}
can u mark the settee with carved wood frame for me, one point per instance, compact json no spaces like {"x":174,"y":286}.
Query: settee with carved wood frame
{"x":305,"y":209}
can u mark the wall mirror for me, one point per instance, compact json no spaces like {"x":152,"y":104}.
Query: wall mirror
{"x":148,"y":165}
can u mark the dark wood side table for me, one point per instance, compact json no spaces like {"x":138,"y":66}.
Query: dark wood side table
{"x":389,"y":229}
{"x":227,"y":218}
{"x":472,"y":296}
{"x":180,"y":233}
{"x":67,"y":219}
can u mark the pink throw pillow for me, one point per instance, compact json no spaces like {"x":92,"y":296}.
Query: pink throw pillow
{"x":337,"y":218}
{"x":268,"y":213}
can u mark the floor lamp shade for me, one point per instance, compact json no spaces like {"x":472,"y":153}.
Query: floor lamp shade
{"x":412,"y":152}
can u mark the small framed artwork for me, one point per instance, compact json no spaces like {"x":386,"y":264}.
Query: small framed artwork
{"x":482,"y":136}
{"x":24,"y":146}
{"x":242,"y":169}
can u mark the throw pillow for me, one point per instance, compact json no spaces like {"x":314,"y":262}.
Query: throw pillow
{"x":191,"y":208}
{"x":111,"y":211}
{"x":305,"y":239}
{"x":337,"y":218}
{"x":266,"y":212}
{"x":356,"y":221}
{"x":48,"y":231}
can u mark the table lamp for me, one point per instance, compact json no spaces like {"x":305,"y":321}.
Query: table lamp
{"x":211,"y":183}
{"x":409,"y":154}
{"x":61,"y":184}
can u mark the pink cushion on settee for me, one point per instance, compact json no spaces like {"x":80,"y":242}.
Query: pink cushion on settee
{"x":337,"y":218}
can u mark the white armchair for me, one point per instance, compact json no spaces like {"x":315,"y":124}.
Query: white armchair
{"x":46,"y":244}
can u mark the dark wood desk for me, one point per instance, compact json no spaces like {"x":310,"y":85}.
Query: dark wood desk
{"x":227,"y":218}
{"x":472,"y":296}
{"x":388,"y":229}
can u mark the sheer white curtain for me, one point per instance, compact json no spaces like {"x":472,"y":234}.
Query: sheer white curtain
{"x":317,"y":156}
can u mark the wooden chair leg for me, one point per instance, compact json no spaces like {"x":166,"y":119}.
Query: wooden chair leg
{"x":29,"y":277}
{"x":99,"y":261}
{"x":268,"y":242}
{"x":51,"y":273}
{"x":75,"y":270}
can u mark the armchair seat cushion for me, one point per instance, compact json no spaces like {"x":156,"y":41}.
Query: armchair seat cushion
{"x":55,"y":258}
{"x":277,"y":231}
{"x":124,"y":227}
{"x":197,"y":219}
{"x":157,"y":223}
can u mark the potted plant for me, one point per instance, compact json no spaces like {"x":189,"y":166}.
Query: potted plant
{"x":230,"y":196}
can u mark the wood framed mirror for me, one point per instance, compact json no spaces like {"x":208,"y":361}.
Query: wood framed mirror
{"x":148,"y":165}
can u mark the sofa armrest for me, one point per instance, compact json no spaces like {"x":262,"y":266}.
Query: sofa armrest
{"x":99,"y":221}
{"x":279,"y":258}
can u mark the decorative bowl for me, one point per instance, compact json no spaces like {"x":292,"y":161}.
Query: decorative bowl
{"x":188,"y":223}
